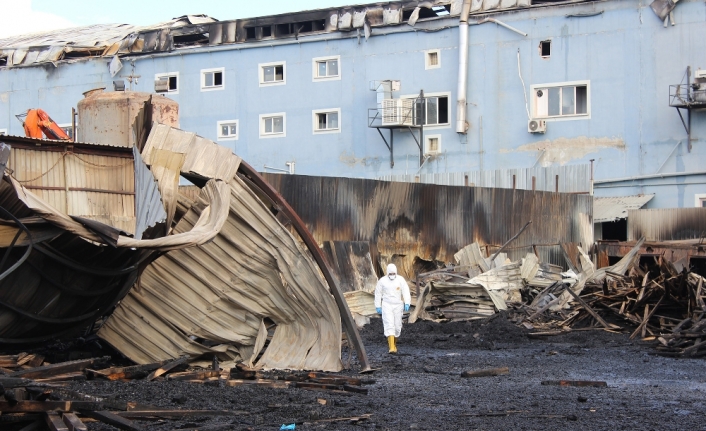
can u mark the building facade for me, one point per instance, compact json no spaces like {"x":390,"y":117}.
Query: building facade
{"x":297,"y":93}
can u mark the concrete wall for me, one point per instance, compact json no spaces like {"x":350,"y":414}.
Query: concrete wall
{"x":625,"y":53}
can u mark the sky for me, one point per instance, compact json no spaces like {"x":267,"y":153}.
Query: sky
{"x":30,"y":16}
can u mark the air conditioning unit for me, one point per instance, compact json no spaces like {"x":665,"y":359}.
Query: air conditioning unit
{"x":161,"y":85}
{"x":537,"y":126}
{"x":398,"y":112}
{"x":700,"y":74}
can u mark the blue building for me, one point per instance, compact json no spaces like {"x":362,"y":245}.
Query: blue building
{"x":507,"y":84}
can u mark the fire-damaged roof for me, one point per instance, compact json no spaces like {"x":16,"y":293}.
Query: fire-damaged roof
{"x":193,"y":31}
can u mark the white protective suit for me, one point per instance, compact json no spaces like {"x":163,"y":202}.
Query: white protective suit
{"x":391,"y":295}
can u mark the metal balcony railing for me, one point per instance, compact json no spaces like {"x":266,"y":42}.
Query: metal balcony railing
{"x":687,"y":96}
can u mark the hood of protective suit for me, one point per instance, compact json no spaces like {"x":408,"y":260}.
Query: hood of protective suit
{"x":391,"y":269}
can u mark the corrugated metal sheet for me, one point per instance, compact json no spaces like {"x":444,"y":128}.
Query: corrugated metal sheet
{"x":571,"y":178}
{"x":667,"y":224}
{"x":98,"y":187}
{"x":616,"y":208}
{"x":148,"y":201}
{"x":493,"y":5}
{"x":434,"y":222}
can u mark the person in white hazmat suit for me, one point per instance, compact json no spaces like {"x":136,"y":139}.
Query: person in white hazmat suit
{"x":391,"y":298}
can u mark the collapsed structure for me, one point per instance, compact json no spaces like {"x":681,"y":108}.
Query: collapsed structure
{"x":87,"y":223}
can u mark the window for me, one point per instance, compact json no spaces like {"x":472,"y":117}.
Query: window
{"x":273,"y":73}
{"x":327,"y":68}
{"x":432,"y":59}
{"x":228,"y":130}
{"x":435,"y":110}
{"x":273,"y":125}
{"x":172,"y":79}
{"x":67,"y":129}
{"x":700,"y":199}
{"x":545,"y":48}
{"x":570,"y":99}
{"x":212,"y":79}
{"x":432,"y":144}
{"x":327,"y":120}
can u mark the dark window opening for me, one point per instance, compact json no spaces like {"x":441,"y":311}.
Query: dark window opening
{"x":650,"y":263}
{"x":3,"y":61}
{"x":427,"y":13}
{"x":191,"y":39}
{"x":305,"y":27}
{"x":319,"y":25}
{"x":82,"y":54}
{"x":250,"y":33}
{"x":616,"y":230}
{"x":406,"y":13}
{"x":218,"y":79}
{"x":172,"y":83}
{"x":545,"y":48}
{"x":267,"y":31}
{"x":283,"y":30}
{"x":443,"y":110}
{"x":581,"y":99}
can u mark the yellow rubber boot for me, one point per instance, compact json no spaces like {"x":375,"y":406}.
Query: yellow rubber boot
{"x":391,"y":343}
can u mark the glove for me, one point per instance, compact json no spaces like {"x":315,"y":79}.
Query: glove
{"x":406,"y":307}
{"x":379,"y":310}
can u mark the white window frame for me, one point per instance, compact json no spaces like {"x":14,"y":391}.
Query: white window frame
{"x":169,"y":75}
{"x":264,"y":135}
{"x":439,"y":94}
{"x":64,"y":126}
{"x":261,"y":73}
{"x":426,"y":145}
{"x":698,"y":198}
{"x":3,"y":132}
{"x":533,"y":100}
{"x":427,"y":63}
{"x":228,"y":137}
{"x":315,"y":123}
{"x":315,"y":69}
{"x":213,"y":87}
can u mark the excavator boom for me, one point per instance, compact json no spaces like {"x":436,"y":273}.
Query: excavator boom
{"x":38,"y":124}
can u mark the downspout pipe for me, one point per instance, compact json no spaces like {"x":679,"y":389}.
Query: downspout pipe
{"x":461,"y":123}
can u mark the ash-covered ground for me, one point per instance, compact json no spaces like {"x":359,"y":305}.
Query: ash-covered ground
{"x":421,"y":387}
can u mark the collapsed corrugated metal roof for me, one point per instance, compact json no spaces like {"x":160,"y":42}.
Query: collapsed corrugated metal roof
{"x":199,"y":30}
{"x":616,"y":208}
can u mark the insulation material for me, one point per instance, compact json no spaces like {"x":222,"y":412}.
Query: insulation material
{"x":220,"y":291}
{"x":359,"y":18}
{"x":414,"y":16}
{"x":344,"y":20}
{"x":392,"y":15}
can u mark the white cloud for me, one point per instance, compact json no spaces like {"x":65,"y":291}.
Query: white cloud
{"x":19,"y":18}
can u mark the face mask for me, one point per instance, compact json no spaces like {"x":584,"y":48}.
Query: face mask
{"x":392,"y":276}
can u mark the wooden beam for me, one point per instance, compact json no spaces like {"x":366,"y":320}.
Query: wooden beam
{"x":73,"y":423}
{"x":112,"y":419}
{"x":60,"y":368}
{"x":54,"y":422}
{"x":167,"y":367}
{"x":487,"y":372}
{"x":587,"y":307}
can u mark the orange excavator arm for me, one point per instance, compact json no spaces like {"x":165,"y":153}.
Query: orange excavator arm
{"x":38,"y":124}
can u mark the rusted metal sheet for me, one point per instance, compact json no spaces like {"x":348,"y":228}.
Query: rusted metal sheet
{"x":433,"y":222}
{"x":680,"y":253}
{"x":352,"y":264}
{"x":667,"y":224}
{"x":92,"y":186}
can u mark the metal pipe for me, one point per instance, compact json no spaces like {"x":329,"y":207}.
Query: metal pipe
{"x":502,"y":24}
{"x":276,"y":169}
{"x":462,"y":87}
{"x":645,"y":177}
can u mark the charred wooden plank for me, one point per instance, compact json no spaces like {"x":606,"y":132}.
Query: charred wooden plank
{"x":167,"y":367}
{"x":355,"y":389}
{"x":47,"y":371}
{"x":178,"y":413}
{"x":131,"y":372}
{"x":349,"y":380}
{"x":45,"y":406}
{"x":54,"y":422}
{"x":194,"y":375}
{"x":276,"y":384}
{"x":112,"y":419}
{"x":73,"y":423}
{"x":487,"y":372}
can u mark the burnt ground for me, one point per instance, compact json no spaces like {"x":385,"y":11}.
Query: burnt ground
{"x":421,"y":388}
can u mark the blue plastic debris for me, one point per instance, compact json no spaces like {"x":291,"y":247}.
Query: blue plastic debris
{"x":287,"y":427}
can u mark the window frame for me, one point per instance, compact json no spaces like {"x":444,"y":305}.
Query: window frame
{"x":222,"y":123}
{"x":261,"y":125}
{"x":571,"y":117}
{"x":314,"y":118}
{"x":427,"y":64}
{"x":698,"y":199}
{"x":64,"y":126}
{"x":446,"y":94}
{"x":261,"y":73}
{"x":315,"y":69}
{"x":168,"y":75}
{"x":426,"y":145}
{"x":213,"y":87}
